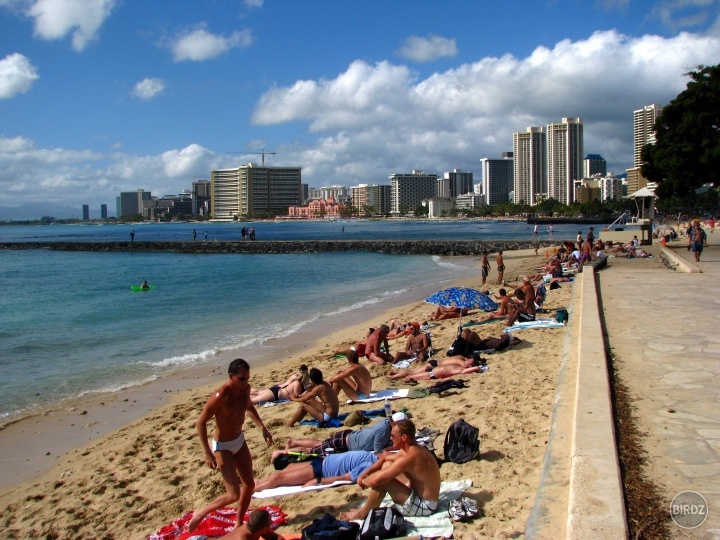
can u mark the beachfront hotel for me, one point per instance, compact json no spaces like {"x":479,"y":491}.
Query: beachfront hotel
{"x":252,"y":190}
{"x":643,"y":122}
{"x":371,"y":199}
{"x":497,"y":178}
{"x":408,"y":191}
{"x":530,"y":170}
{"x":564,"y":158}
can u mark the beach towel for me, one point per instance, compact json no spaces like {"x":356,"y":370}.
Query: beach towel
{"x":476,"y":323}
{"x":439,"y":523}
{"x":332,"y":423}
{"x":539,"y":323}
{"x":390,"y":393}
{"x":291,"y":490}
{"x":215,"y":524}
{"x":402,"y":364}
{"x":273,"y":403}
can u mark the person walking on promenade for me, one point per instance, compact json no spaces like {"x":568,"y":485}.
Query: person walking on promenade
{"x":229,"y":451}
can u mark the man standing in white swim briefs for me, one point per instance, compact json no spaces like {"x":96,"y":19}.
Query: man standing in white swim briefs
{"x":229,"y":453}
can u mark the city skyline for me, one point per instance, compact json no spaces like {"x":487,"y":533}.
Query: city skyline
{"x":349,"y":95}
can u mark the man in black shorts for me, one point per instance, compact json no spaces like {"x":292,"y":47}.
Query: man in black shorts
{"x":524,"y":311}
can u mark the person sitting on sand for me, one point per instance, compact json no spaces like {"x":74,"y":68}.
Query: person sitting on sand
{"x":523,"y":311}
{"x":399,"y":329}
{"x":373,"y":344}
{"x":416,"y":347}
{"x":500,"y":313}
{"x":441,"y":368}
{"x":419,"y":490}
{"x":360,"y":348}
{"x":322,"y":470}
{"x":258,"y":526}
{"x":355,"y":381}
{"x":229,"y":452}
{"x":375,"y":438}
{"x":497,"y":344}
{"x":320,"y":401}
{"x":294,"y":386}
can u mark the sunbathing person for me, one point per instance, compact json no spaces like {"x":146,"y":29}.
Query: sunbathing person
{"x":451,"y":361}
{"x":345,"y":466}
{"x":416,"y":347}
{"x":497,"y":344}
{"x":294,"y":386}
{"x":371,"y":439}
{"x":320,"y":401}
{"x":375,"y":343}
{"x":411,"y":477}
{"x":429,"y":373}
{"x":441,"y":313}
{"x":355,"y":381}
{"x":500,"y":313}
{"x":258,"y":526}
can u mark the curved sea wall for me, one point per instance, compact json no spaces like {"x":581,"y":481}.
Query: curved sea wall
{"x":404,"y":247}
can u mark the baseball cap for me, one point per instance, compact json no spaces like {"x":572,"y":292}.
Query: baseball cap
{"x":399,"y":416}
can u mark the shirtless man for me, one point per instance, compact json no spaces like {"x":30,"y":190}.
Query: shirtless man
{"x":501,"y":312}
{"x":229,"y":452}
{"x":524,"y":311}
{"x":257,"y":526}
{"x":585,"y":252}
{"x":372,"y":346}
{"x":500,"y":266}
{"x":452,"y":312}
{"x":355,"y":381}
{"x":320,"y":401}
{"x":420,"y":491}
{"x":485,"y":266}
{"x":497,"y":344}
{"x":416,"y":347}
{"x":435,"y":365}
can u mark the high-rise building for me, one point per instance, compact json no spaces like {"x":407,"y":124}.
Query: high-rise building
{"x":530,"y":167}
{"x":252,"y":190}
{"x":643,"y":121}
{"x":635,"y":180}
{"x":497,"y":178}
{"x":86,"y":212}
{"x":455,"y":183}
{"x":103,"y":211}
{"x":407,"y":191}
{"x":611,"y":188}
{"x":130,"y":203}
{"x":564,"y":158}
{"x":594,"y":164}
{"x":372,"y":199}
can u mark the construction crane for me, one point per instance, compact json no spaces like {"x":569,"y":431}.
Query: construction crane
{"x":263,"y":153}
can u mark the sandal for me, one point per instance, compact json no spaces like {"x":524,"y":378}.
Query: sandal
{"x":412,"y":382}
{"x":456,"y":511}
{"x":470,"y":507}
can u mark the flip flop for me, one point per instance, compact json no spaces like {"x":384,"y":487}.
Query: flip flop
{"x":412,"y":382}
{"x":456,"y":511}
{"x":470,"y":506}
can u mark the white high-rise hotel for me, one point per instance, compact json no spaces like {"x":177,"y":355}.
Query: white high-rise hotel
{"x":530,"y":172}
{"x":643,"y":121}
{"x":565,"y":158}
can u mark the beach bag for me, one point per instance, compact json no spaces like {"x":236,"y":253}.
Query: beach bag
{"x":460,"y":346}
{"x":461,"y":442}
{"x":382,"y":523}
{"x":355,"y":418}
{"x":561,"y":315}
{"x":329,"y":528}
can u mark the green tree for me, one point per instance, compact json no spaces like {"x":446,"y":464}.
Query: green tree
{"x":687,"y":149}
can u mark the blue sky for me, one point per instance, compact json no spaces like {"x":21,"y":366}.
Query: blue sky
{"x":103,"y":96}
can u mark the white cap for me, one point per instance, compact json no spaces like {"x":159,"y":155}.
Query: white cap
{"x":399,"y":416}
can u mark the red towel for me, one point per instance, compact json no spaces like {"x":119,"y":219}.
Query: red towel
{"x":215,"y":524}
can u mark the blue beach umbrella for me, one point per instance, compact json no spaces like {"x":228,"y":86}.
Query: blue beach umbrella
{"x":462,"y":297}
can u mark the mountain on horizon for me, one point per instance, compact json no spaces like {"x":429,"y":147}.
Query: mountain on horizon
{"x":27,"y":212}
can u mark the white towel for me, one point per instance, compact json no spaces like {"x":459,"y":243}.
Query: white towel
{"x":391,"y":393}
{"x":289,"y":490}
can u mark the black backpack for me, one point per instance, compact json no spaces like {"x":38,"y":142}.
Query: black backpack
{"x":329,"y":528}
{"x":382,"y":523}
{"x":461,"y":442}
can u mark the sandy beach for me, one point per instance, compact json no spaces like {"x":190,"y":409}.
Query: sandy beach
{"x":132,"y":481}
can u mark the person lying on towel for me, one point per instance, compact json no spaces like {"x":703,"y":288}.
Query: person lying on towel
{"x":441,"y":369}
{"x":322,"y":470}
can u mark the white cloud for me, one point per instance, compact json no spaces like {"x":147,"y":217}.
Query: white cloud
{"x":54,"y":19}
{"x":676,"y":14}
{"x":17,"y":75}
{"x":420,"y":49}
{"x":378,"y":119}
{"x":148,"y":88}
{"x":199,"y":44}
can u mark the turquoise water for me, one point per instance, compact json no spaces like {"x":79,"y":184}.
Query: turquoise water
{"x":69,"y":323}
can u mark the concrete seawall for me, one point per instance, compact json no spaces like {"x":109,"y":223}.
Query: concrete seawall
{"x":403,"y":247}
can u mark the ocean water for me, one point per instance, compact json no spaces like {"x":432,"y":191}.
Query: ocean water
{"x":70,"y":325}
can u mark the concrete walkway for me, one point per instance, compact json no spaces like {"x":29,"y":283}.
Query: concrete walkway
{"x":663,"y":330}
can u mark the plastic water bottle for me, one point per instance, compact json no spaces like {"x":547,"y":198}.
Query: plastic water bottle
{"x":388,"y":408}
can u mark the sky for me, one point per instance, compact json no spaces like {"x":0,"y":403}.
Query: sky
{"x":103,"y":96}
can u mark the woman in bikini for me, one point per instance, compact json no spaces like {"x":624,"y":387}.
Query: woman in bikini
{"x":294,"y":386}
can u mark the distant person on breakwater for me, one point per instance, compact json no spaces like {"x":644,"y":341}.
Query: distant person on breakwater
{"x":536,"y":236}
{"x":551,"y":231}
{"x":252,"y":233}
{"x":194,"y":234}
{"x":229,"y":452}
{"x":132,"y":235}
{"x":206,"y":236}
